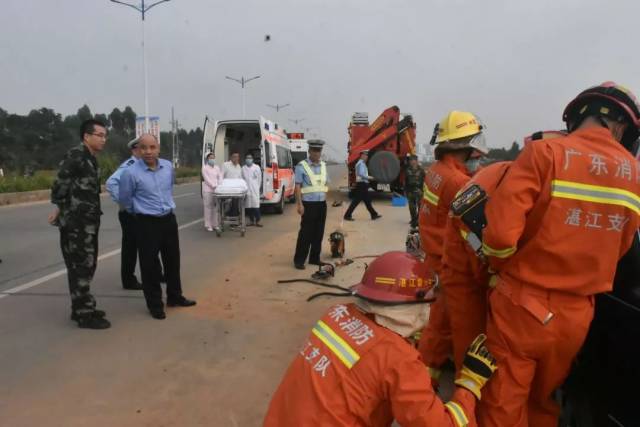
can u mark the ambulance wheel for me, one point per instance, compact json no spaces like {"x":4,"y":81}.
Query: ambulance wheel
{"x":279,"y":208}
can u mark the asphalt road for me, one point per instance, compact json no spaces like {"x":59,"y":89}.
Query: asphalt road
{"x":48,"y":366}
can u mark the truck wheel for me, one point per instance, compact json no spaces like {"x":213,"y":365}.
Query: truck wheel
{"x":279,"y":208}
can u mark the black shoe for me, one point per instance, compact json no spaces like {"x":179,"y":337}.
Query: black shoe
{"x":158,"y":314}
{"x":182,"y":302}
{"x":299,"y":266}
{"x":257,"y":224}
{"x":348,"y":218}
{"x":95,"y":313}
{"x":133,"y":286}
{"x":376,"y":216}
{"x":90,"y":321}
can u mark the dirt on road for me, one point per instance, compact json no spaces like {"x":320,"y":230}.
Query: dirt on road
{"x":216,"y":364}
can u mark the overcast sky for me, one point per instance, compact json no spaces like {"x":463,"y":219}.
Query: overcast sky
{"x":514,"y":63}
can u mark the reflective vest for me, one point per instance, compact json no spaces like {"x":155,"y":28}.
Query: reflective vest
{"x":318,"y":181}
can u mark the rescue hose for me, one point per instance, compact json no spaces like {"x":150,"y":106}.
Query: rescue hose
{"x":332,"y":294}
{"x":315,"y":282}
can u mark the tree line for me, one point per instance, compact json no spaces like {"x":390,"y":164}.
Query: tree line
{"x":38,"y":140}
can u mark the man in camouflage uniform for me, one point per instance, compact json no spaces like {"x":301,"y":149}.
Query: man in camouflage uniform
{"x":413,"y":182}
{"x":76,"y":192}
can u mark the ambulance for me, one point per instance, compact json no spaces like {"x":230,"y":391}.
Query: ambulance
{"x":299,"y":147}
{"x":269,"y":146}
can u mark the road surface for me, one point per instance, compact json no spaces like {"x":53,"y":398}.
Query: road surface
{"x":215,"y":364}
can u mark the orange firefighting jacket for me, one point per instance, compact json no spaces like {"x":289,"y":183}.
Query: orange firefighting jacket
{"x":442,"y":181}
{"x":353,"y":372}
{"x":566,"y":212}
{"x":458,"y":256}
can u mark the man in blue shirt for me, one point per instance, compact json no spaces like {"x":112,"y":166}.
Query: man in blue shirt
{"x":146,"y":190}
{"x":129,"y":253}
{"x":361,"y":192}
{"x":311,"y":180}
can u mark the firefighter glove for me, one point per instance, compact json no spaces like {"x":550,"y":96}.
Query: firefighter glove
{"x":477,"y":368}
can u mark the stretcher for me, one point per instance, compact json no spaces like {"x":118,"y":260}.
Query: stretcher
{"x":230,"y":196}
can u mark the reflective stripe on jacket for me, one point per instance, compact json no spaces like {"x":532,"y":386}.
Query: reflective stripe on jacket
{"x":352,"y":372}
{"x":566,"y":212}
{"x":442,"y":182}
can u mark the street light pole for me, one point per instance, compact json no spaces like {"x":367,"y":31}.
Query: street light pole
{"x":243,"y":82}
{"x":296,"y":121}
{"x":277,"y":107}
{"x":143,"y":9}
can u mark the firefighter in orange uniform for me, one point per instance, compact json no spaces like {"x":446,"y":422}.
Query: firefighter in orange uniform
{"x":460,"y":145}
{"x":567,"y":210}
{"x":358,"y":368}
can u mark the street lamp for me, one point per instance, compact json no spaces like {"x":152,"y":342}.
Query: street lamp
{"x":143,"y":10}
{"x":243,"y":82}
{"x":278,"y":107}
{"x":296,"y":121}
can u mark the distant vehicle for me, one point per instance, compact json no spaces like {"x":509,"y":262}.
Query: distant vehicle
{"x":299,"y":147}
{"x":267,"y":144}
{"x":602,"y":387}
{"x":389,"y":139}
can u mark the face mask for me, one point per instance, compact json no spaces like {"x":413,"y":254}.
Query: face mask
{"x":472,"y":164}
{"x":249,"y":162}
{"x":211,"y":162}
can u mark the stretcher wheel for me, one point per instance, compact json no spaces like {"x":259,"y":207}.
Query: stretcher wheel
{"x":218,"y":233}
{"x":242,"y":233}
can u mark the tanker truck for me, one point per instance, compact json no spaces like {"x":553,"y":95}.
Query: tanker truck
{"x":389,"y":139}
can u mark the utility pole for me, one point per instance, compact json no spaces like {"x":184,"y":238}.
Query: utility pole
{"x":174,"y":139}
{"x":143,"y":10}
{"x":243,"y":82}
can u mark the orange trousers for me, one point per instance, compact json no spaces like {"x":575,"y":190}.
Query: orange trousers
{"x":435,"y":344}
{"x":466,"y":302}
{"x":533,"y":358}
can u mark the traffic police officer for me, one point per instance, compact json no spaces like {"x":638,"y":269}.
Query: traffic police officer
{"x":129,"y":253}
{"x":76,"y":193}
{"x":413,"y":182}
{"x":311,"y":193}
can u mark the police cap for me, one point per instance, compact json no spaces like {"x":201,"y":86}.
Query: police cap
{"x":133,"y":143}
{"x":315,"y":144}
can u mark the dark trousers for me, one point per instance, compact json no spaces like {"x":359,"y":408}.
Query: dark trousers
{"x":361,"y":194}
{"x":129,"y":254}
{"x":253,"y":214}
{"x":414,"y":200}
{"x":311,"y":233}
{"x":159,"y":235}
{"x":80,"y":252}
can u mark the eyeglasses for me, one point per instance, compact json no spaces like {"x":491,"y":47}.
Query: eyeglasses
{"x":99,"y":135}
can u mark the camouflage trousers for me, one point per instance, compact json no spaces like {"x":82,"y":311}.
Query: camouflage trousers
{"x":80,"y":252}
{"x":415,"y":199}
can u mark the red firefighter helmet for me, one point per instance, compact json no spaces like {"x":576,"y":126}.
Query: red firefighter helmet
{"x":397,"y":278}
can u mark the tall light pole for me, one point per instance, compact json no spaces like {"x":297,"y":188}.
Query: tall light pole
{"x":143,"y":9}
{"x":278,"y":107}
{"x":296,"y":121}
{"x":243,"y":82}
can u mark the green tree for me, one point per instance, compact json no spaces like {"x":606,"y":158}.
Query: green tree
{"x":129,"y":120}
{"x":117,"y":120}
{"x":84,"y":113}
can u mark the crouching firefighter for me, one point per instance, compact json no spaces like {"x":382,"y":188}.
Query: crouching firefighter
{"x":567,"y":210}
{"x":358,"y":367}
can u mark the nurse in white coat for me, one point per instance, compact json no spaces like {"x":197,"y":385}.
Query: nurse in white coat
{"x":252,"y":175}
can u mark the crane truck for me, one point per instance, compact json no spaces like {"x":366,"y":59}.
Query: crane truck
{"x":389,"y":140}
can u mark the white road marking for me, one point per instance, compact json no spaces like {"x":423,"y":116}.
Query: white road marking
{"x":62,"y":272}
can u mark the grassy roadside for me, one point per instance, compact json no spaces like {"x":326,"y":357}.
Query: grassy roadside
{"x":42,"y":180}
